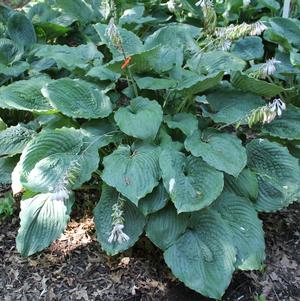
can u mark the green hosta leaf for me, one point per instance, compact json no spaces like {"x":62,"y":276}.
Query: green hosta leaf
{"x":244,"y":185}
{"x":158,"y":59}
{"x":76,"y":8}
{"x":165,"y":226}
{"x":21,"y":30}
{"x":249,"y":48}
{"x":69,"y":57}
{"x":51,"y":31}
{"x":125,"y":170}
{"x":8,"y":51}
{"x":285,"y":31}
{"x":155,"y":200}
{"x":14,"y":139}
{"x":191,"y":183}
{"x":231,"y":106}
{"x":42,"y":221}
{"x":186,"y":122}
{"x":134,"y":15}
{"x":55,"y":158}
{"x":7,"y":166}
{"x":295,"y":59}
{"x":253,"y":85}
{"x":15,"y":70}
{"x":248,"y":234}
{"x":278,"y":174}
{"x":174,"y":36}
{"x":197,"y":83}
{"x":141,"y":111}
{"x":203,"y":257}
{"x":287,"y":126}
{"x":218,"y":61}
{"x":77,"y":98}
{"x":223,"y":151}
{"x":131,"y":43}
{"x":271,"y":4}
{"x":103,"y":73}
{"x":54,"y":121}
{"x":166,"y":142}
{"x":152,"y":83}
{"x":25,"y":95}
{"x":134,"y":221}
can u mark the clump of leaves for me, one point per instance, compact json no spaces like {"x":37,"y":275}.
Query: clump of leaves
{"x":191,"y":127}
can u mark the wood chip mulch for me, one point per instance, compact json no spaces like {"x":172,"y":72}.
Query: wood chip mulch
{"x":75,"y":268}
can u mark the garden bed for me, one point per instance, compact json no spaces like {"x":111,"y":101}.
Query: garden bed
{"x":74,"y":268}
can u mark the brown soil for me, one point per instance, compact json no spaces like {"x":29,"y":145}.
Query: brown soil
{"x":75,"y":268}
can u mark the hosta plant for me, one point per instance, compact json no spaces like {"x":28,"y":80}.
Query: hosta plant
{"x":184,"y":114}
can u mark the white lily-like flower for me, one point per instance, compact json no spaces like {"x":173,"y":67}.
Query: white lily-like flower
{"x":258,"y":28}
{"x":118,"y":235}
{"x":226,"y":45}
{"x":111,"y":29}
{"x":205,"y":3}
{"x":171,"y":4}
{"x":277,"y":106}
{"x":246,"y":3}
{"x":171,"y":185}
{"x":269,"y":67}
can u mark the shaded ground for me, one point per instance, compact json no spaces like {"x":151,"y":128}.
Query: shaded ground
{"x":74,"y":268}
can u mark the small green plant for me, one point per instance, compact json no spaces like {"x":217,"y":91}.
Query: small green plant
{"x":184,"y":114}
{"x":260,"y":298}
{"x":6,"y":205}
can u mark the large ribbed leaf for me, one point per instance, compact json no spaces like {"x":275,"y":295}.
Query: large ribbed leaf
{"x":21,"y":30}
{"x":42,"y":221}
{"x":76,"y":8}
{"x":253,"y":85}
{"x":77,"y":98}
{"x":8,"y":51}
{"x":278,"y":174}
{"x":195,"y":83}
{"x":56,"y":158}
{"x":248,"y":234}
{"x":69,"y":57}
{"x":249,"y":48}
{"x":134,"y":221}
{"x":155,"y":200}
{"x":7,"y":166}
{"x":133,"y":171}
{"x":141,"y":111}
{"x":149,"y":60}
{"x":14,"y":139}
{"x":186,"y":122}
{"x":284,"y":31}
{"x":25,"y":95}
{"x":204,"y":256}
{"x":191,"y":182}
{"x":174,"y":36}
{"x":223,"y":151}
{"x":287,"y":126}
{"x":244,"y":185}
{"x":231,"y":106}
{"x":14,"y":70}
{"x":165,"y":226}
{"x":153,"y":83}
{"x":130,"y":42}
{"x":217,"y":61}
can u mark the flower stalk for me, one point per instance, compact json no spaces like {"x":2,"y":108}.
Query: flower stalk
{"x":117,"y":234}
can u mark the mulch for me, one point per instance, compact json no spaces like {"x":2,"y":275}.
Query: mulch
{"x":75,"y":268}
